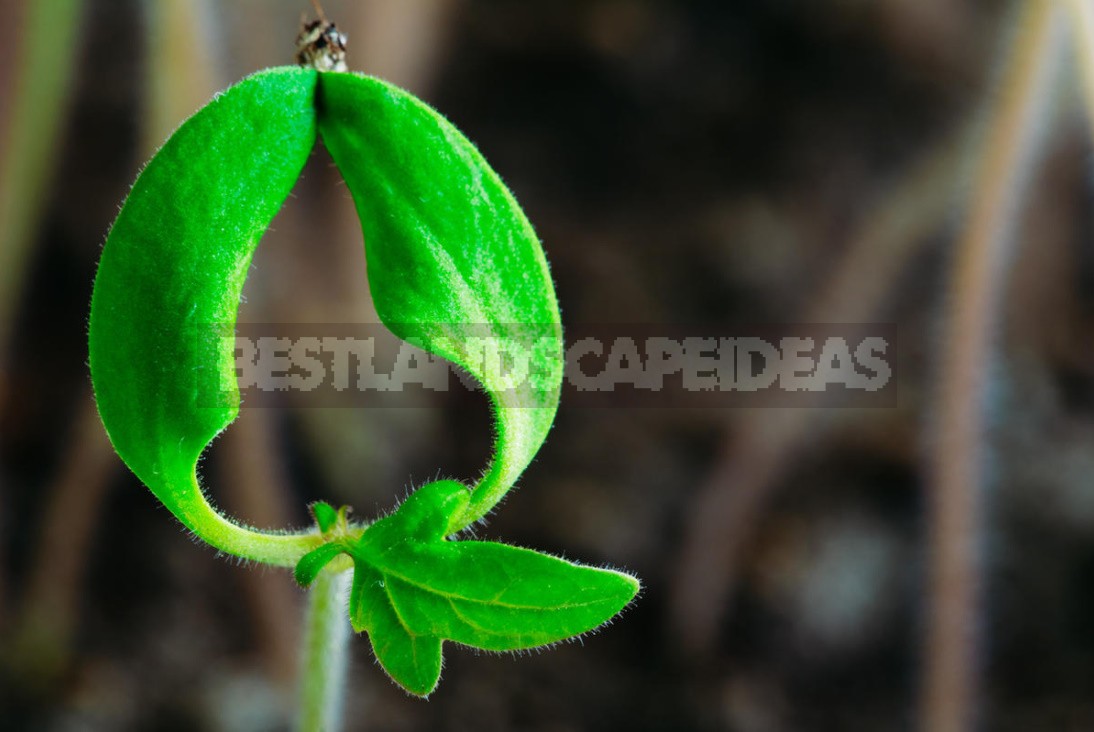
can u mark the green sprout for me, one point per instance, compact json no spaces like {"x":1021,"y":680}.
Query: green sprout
{"x":452,"y":262}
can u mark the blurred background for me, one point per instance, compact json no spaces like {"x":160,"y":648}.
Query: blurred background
{"x":724,"y":163}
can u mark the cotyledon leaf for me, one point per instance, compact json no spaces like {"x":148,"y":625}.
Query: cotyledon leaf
{"x":414,"y":588}
{"x":453,"y":264}
{"x":454,"y":267}
{"x":169,"y":284}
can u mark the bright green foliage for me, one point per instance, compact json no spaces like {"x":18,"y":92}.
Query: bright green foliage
{"x":312,"y":563}
{"x":453,"y":264}
{"x":414,"y":588}
{"x":454,"y":268}
{"x":326,"y":517}
{"x":171,"y":273}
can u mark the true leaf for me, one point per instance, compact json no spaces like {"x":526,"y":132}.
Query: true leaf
{"x":412,"y":660}
{"x":481,"y":594}
{"x":499,"y":597}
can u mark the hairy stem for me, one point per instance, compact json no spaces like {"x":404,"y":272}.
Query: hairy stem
{"x":956,"y":472}
{"x":277,"y":548}
{"x":323,"y":676}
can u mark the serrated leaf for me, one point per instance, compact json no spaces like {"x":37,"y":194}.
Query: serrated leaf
{"x":501,"y":598}
{"x":411,"y":659}
{"x":481,"y":594}
{"x":453,"y":264}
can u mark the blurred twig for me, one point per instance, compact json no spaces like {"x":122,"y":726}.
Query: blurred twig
{"x":1007,"y":153}
{"x":49,"y":610}
{"x":399,"y":41}
{"x":51,"y":603}
{"x":181,"y":69}
{"x":256,"y":488}
{"x":1082,"y":12}
{"x":8,"y":43}
{"x":34,"y":105}
{"x":760,"y":444}
{"x":44,"y":70}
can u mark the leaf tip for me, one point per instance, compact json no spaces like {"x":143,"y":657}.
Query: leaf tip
{"x":631,"y":580}
{"x":630,"y":588}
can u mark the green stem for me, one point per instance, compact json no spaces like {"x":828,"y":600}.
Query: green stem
{"x":324,"y":669}
{"x":279,"y":549}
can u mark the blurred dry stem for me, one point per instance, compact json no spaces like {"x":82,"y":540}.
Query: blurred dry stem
{"x":957,"y":422}
{"x":761,"y":445}
{"x":48,"y":47}
{"x":181,"y":69}
{"x":41,"y":644}
{"x":255,"y":487}
{"x":8,"y":45}
{"x":1082,"y":12}
{"x":402,"y":42}
{"x":319,"y":10}
{"x":35,"y":99}
{"x":179,"y":81}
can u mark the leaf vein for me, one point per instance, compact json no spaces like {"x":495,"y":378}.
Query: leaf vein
{"x":508,"y":605}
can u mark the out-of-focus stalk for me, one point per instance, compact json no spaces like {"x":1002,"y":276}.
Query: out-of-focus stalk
{"x":30,"y":124}
{"x":1009,"y":150}
{"x":761,"y":445}
{"x":1082,"y":25}
{"x":42,"y":78}
{"x":181,"y":72}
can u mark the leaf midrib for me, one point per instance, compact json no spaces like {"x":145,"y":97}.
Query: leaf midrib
{"x":498,"y":603}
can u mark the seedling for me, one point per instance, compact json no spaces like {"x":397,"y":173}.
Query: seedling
{"x":452,"y":262}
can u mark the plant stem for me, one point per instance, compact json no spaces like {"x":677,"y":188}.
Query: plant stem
{"x":323,"y":677}
{"x":982,"y":256}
